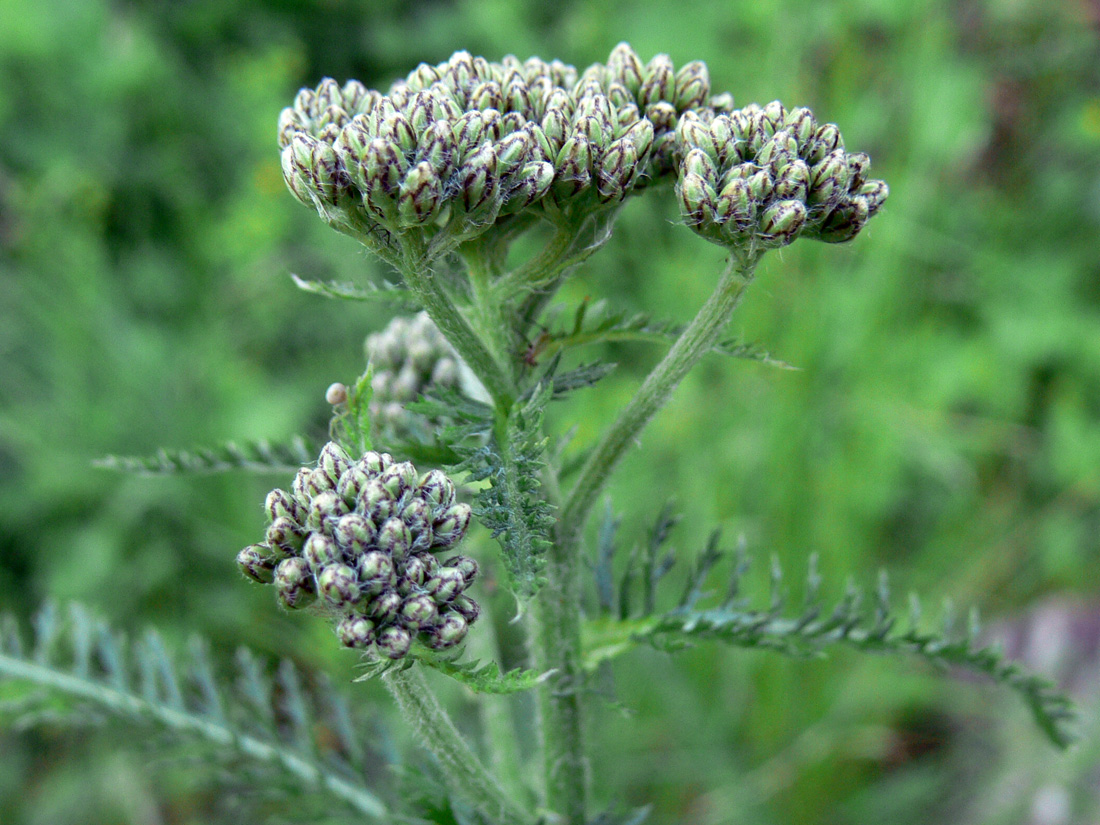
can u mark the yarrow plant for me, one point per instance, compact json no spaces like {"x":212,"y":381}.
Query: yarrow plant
{"x":438,"y":177}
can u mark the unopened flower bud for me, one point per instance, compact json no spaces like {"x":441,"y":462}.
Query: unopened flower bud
{"x":826,"y":140}
{"x":325,"y":509}
{"x":781,"y":222}
{"x":394,"y":642}
{"x":874,"y":192}
{"x":334,"y":462}
{"x":415,"y":570}
{"x":572,"y":167}
{"x":437,"y":490}
{"x":338,"y":585}
{"x":421,"y":195}
{"x":735,"y":206}
{"x":376,"y":501}
{"x":697,"y":199}
{"x":374,"y":463}
{"x":448,"y":632}
{"x":418,"y":612}
{"x":376,"y":571}
{"x":351,"y":483}
{"x":465,"y":565}
{"x":319,"y":482}
{"x":294,"y":583}
{"x":660,"y":81}
{"x":300,"y":486}
{"x":355,"y":631}
{"x":800,"y":123}
{"x":445,"y":584}
{"x":793,"y":181}
{"x":626,"y":68}
{"x":281,"y":504}
{"x":478,"y":177}
{"x":692,"y":86}
{"x":467,"y":608}
{"x":617,"y":169}
{"x":846,"y":221}
{"x":383,"y":608}
{"x":257,"y":561}
{"x":394,"y":538}
{"x":450,"y":529}
{"x":354,"y":533}
{"x":320,"y":551}
{"x":640,"y":133}
{"x":858,"y":164}
{"x":285,"y":534}
{"x":336,"y":394}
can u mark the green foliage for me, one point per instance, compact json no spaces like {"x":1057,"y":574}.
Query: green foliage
{"x":385,"y":293}
{"x":274,"y":721}
{"x":480,"y":678}
{"x":254,"y":456}
{"x":869,"y":625}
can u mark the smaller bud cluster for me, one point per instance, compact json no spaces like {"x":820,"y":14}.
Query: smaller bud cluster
{"x":359,"y":538}
{"x":407,"y":357}
{"x":766,"y":175}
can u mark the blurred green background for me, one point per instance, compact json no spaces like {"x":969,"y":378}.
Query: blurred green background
{"x":944,"y":423}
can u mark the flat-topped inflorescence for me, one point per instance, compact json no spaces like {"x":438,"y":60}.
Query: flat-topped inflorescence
{"x":468,"y":141}
{"x":358,"y":539}
{"x":761,"y":177}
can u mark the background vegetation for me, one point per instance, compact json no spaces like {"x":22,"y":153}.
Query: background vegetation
{"x":943,"y":422}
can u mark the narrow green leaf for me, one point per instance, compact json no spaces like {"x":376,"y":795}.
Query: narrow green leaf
{"x":254,"y":456}
{"x":386,"y":293}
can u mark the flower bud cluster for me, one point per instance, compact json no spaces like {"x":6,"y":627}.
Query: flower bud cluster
{"x":471,"y":140}
{"x":359,"y":538}
{"x":766,"y":175}
{"x":407,"y":357}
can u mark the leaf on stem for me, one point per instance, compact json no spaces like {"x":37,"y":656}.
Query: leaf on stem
{"x":386,"y":293}
{"x":255,"y":456}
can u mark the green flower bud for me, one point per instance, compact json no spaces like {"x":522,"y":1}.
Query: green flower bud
{"x":317,"y":482}
{"x":660,"y":81}
{"x":320,"y":551}
{"x":290,"y":124}
{"x":334,"y":462}
{"x":418,"y":612}
{"x":725,"y":139}
{"x":338,"y":585}
{"x":781,"y":222}
{"x":437,"y":148}
{"x":478,"y":177}
{"x":572,"y":167}
{"x":423,"y":76}
{"x":468,"y":132}
{"x":735,"y":206}
{"x":334,"y":115}
{"x":384,"y":607}
{"x":626,"y":68}
{"x":328,"y":94}
{"x":640,"y":133}
{"x":617,"y":170}
{"x":760,"y":185}
{"x":394,"y":642}
{"x":354,"y":533}
{"x":693,"y":135}
{"x":448,"y":632}
{"x":438,"y":491}
{"x":294,"y":583}
{"x":692,"y":86}
{"x":595,"y":132}
{"x":662,"y":115}
{"x":775,"y":114}
{"x":399,"y":478}
{"x":257,"y":561}
{"x":383,"y":166}
{"x":465,"y":565}
{"x":445,"y":584}
{"x":627,"y":115}
{"x":826,"y":140}
{"x":793,"y":181}
{"x":450,"y":529}
{"x":281,"y":504}
{"x":486,"y":95}
{"x":395,"y":539}
{"x":697,"y":198}
{"x":351,"y":483}
{"x":376,"y":571}
{"x":698,"y":162}
{"x":800,"y":123}
{"x":421,"y":195}
{"x":325,"y":510}
{"x":415,"y":570}
{"x":417,"y":516}
{"x":286,"y":534}
{"x":845,"y":222}
{"x":419,"y":112}
{"x":779,"y":150}
{"x":376,"y":502}
{"x":535,"y":182}
{"x":300,"y":486}
{"x":619,"y":96}
{"x":355,"y":95}
{"x":874,"y":192}
{"x":355,"y":631}
{"x":858,"y":164}
{"x":375,"y":463}
{"x":512,"y":151}
{"x":467,"y":608}
{"x":304,"y":103}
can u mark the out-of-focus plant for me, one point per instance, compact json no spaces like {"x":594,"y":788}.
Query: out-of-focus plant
{"x":439,"y":176}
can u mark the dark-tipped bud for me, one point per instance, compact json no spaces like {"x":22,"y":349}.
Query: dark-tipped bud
{"x":465,"y":565}
{"x":320,"y":551}
{"x":438,"y":491}
{"x":781,"y":222}
{"x":450,"y":631}
{"x":294,"y":583}
{"x":285,"y":534}
{"x":445,"y":584}
{"x":325,"y":509}
{"x":660,"y":81}
{"x":384,"y":607}
{"x":354,"y":533}
{"x":355,"y":631}
{"x":467,"y":608}
{"x":418,"y":612}
{"x":692,"y":85}
{"x":257,"y":561}
{"x":394,"y":538}
{"x":338,"y":585}
{"x":626,"y":68}
{"x":333,"y":462}
{"x":376,"y":571}
{"x":375,"y":463}
{"x":450,"y":529}
{"x":376,"y":501}
{"x":418,"y":517}
{"x":394,"y":642}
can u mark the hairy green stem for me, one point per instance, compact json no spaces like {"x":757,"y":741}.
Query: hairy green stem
{"x":434,"y":729}
{"x":490,"y":316}
{"x":455,"y":327}
{"x":695,"y":341}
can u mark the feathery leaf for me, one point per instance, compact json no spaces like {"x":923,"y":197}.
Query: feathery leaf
{"x":254,"y":456}
{"x":386,"y":293}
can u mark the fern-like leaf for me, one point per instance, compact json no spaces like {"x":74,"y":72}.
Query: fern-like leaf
{"x":386,"y":293}
{"x":479,"y":678}
{"x":253,"y":456}
{"x":594,"y":323}
{"x":864,"y":622}
{"x":350,"y":426}
{"x":258,"y":721}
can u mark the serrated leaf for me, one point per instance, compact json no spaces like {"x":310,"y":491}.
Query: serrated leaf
{"x":386,"y":293}
{"x":483,"y":678}
{"x":350,"y":425}
{"x":254,"y":456}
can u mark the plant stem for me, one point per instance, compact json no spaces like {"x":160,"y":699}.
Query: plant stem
{"x":695,"y":341}
{"x":435,"y":730}
{"x":455,"y":327}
